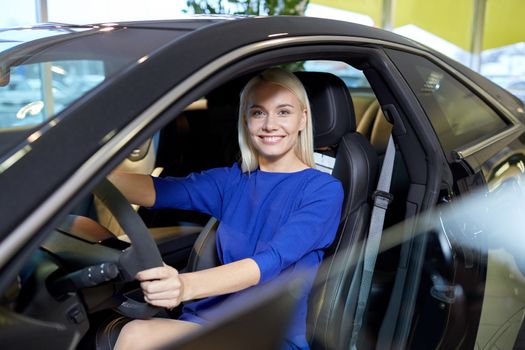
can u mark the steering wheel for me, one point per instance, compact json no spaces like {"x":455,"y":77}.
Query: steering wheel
{"x":141,"y":255}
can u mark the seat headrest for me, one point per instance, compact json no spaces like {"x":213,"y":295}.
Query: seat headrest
{"x":332,"y":108}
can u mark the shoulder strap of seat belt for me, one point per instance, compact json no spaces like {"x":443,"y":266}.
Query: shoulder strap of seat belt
{"x":382,"y":199}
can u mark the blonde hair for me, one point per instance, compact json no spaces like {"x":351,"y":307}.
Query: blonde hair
{"x":304,"y":148}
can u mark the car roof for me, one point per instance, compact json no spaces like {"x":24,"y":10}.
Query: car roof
{"x":286,"y":25}
{"x":246,"y":29}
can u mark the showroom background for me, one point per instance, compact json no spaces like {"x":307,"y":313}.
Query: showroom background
{"x":486,"y":35}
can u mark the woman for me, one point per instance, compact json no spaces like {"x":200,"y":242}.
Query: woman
{"x":277,"y":213}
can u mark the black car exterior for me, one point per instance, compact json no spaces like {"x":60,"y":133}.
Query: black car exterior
{"x":455,"y":131}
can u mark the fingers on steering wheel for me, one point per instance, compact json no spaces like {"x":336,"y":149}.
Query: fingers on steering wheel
{"x":156,"y":273}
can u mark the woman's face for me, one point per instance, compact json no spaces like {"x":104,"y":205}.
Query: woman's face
{"x":274,"y":118}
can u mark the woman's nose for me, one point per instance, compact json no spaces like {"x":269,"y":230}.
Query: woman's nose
{"x":270,"y":122}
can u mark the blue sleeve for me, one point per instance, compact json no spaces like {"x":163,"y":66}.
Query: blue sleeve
{"x":198,"y":191}
{"x":311,"y":227}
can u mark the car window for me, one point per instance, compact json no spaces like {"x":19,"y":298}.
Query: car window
{"x":353,"y":78}
{"x":457,"y":114}
{"x":35,"y":92}
{"x":40,"y":78}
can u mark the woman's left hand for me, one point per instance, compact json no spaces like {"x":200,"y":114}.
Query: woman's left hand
{"x":161,"y":286}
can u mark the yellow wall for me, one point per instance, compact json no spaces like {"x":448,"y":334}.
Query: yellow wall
{"x":450,"y":19}
{"x":504,"y":23}
{"x":371,"y":8}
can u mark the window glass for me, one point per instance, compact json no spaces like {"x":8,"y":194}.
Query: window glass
{"x":457,"y":114}
{"x":36,"y":92}
{"x":352,"y":77}
{"x":46,"y":68}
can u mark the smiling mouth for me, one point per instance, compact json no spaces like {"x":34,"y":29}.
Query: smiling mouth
{"x":270,"y":140}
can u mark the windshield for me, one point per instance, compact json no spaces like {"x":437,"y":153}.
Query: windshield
{"x":44,"y":70}
{"x":38,"y":91}
{"x":31,"y":93}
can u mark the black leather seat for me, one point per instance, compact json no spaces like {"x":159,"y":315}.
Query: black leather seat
{"x":333,"y":300}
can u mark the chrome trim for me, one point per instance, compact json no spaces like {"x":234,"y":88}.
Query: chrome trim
{"x":464,"y":152}
{"x":26,"y":229}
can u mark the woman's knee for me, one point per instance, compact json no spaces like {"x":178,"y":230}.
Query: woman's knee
{"x":132,"y":335}
{"x":147,"y":334}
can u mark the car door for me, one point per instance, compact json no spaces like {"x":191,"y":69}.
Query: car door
{"x":470,"y":260}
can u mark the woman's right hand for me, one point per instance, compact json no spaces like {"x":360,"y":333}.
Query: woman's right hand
{"x":162,"y":286}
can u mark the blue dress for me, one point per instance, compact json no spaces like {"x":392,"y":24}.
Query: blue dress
{"x":283,"y":221}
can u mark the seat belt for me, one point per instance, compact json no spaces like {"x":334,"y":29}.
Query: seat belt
{"x":382,"y":198}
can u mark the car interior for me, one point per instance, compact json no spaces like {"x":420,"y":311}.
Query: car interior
{"x":205,"y":136}
{"x":351,"y":134}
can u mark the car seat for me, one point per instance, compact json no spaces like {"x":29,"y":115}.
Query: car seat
{"x":332,"y":302}
{"x":375,"y":127}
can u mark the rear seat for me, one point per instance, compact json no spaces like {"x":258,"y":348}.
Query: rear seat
{"x":372,"y":123}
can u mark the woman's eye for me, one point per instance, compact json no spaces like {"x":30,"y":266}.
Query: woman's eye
{"x":257,"y":114}
{"x":283,"y":112}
